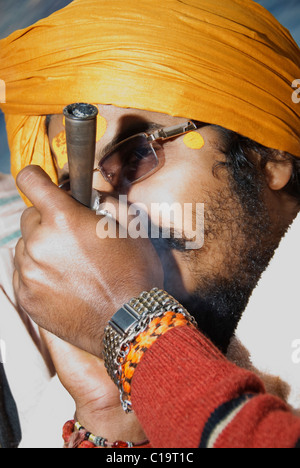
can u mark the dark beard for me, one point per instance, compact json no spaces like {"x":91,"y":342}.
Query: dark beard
{"x":218,"y":310}
{"x":218,"y":307}
{"x":220,"y":298}
{"x":219,"y":303}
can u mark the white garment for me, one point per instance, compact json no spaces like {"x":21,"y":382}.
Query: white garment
{"x":270,"y":326}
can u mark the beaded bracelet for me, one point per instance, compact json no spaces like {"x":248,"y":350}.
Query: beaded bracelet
{"x":134,"y":353}
{"x":76,"y":436}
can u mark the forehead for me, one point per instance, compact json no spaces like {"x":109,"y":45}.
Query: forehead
{"x":119,"y":120}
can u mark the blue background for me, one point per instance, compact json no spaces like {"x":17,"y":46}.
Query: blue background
{"x":18,"y":14}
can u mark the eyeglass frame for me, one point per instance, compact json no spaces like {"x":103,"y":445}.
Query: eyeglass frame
{"x":165,"y":133}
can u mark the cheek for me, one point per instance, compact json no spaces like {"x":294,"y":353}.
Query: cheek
{"x":171,"y":184}
{"x":187,"y":180}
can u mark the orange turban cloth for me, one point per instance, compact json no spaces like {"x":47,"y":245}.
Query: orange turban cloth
{"x":228,"y":63}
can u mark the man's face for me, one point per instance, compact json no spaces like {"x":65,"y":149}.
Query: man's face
{"x":214,"y":282}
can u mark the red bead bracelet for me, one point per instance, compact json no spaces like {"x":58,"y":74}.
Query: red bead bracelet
{"x":76,"y":436}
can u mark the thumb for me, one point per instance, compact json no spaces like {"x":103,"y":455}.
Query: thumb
{"x":37,"y":186}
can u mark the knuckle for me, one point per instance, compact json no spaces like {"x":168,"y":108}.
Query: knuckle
{"x":19,"y":249}
{"x":34,"y":249}
{"x":29,"y":276}
{"x":28,"y":212}
{"x":21,"y":291}
{"x":28,"y":266}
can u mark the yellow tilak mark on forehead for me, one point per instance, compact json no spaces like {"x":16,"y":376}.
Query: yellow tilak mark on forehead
{"x":193,"y":140}
{"x":101,"y":127}
{"x":59,"y":144}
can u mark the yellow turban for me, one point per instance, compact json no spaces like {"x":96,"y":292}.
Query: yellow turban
{"x":225,"y":62}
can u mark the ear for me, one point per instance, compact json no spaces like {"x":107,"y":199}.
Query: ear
{"x":278,"y":172}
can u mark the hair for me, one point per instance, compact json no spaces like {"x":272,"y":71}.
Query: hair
{"x":248,"y":173}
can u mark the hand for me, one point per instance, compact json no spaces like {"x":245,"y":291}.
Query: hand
{"x":67,"y":279}
{"x":97,"y":398}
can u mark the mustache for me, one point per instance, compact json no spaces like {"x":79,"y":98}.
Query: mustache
{"x":164,"y":233}
{"x":163,"y":243}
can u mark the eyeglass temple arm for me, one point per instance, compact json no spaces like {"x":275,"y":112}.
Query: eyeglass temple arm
{"x":176,"y":130}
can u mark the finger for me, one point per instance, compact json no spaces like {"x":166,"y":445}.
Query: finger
{"x":37,"y":186}
{"x":61,"y":351}
{"x":66,"y":355}
{"x":56,"y":346}
{"x":43,"y":345}
{"x":19,"y":254}
{"x":16,"y":282}
{"x":68,"y":359}
{"x":30,"y":220}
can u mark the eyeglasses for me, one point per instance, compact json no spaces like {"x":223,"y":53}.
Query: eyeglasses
{"x":137,"y":157}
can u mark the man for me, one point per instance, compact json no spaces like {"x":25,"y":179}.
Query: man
{"x":242,"y":228}
{"x":234,"y":84}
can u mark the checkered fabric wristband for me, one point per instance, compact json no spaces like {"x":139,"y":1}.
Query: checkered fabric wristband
{"x":133,"y":329}
{"x":134,"y":354}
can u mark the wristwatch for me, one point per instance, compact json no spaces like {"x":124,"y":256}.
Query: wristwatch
{"x":131,"y":320}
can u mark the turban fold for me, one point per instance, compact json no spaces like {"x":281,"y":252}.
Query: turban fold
{"x":228,"y":63}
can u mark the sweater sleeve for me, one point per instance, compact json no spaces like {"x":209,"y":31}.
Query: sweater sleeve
{"x":186,"y":395}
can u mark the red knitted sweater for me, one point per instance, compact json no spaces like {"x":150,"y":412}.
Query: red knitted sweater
{"x":186,"y":395}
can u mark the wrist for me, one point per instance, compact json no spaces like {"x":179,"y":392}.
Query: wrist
{"x":112,"y":424}
{"x":108,"y":313}
{"x":133,"y":329}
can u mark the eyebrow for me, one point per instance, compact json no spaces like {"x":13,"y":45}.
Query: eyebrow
{"x":139,"y":126}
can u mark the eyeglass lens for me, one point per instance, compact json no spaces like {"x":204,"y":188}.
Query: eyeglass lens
{"x":130,"y":161}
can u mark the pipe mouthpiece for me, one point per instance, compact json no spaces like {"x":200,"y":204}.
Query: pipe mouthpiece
{"x":81,"y":111}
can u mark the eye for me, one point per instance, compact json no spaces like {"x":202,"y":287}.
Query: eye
{"x":141,"y":152}
{"x":130,"y":161}
{"x":139,"y":160}
{"x":136,"y":151}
